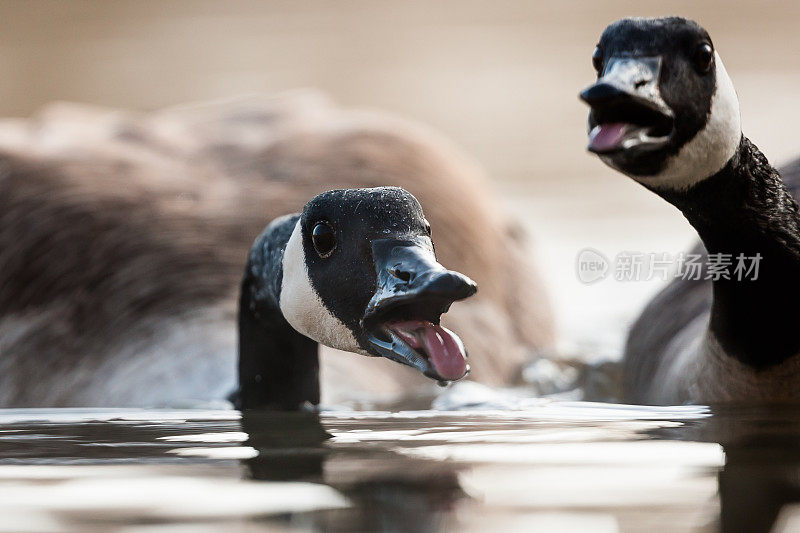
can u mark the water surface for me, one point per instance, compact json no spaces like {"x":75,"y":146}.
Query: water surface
{"x":549,"y":465}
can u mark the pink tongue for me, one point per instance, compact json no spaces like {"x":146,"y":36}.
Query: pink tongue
{"x":607,"y":137}
{"x":443,"y":347}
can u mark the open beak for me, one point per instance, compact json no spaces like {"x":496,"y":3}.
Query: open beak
{"x":402,"y":318}
{"x":628,"y":111}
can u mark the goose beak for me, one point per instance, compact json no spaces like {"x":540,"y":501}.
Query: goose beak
{"x":402,"y":318}
{"x":628,"y":111}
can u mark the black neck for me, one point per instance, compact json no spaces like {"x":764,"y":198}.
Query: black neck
{"x":746,"y":209}
{"x":278,"y":367}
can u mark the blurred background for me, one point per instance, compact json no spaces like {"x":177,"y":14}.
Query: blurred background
{"x":500,"y":78}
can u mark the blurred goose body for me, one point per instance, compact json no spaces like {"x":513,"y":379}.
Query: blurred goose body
{"x":123,"y":238}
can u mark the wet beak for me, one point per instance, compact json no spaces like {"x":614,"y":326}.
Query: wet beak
{"x":408,"y":273}
{"x":627,"y":108}
{"x":626,"y":79}
{"x":413,"y":291}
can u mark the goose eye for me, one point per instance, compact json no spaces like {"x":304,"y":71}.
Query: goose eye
{"x":427,"y":227}
{"x":597,"y":59}
{"x":703,"y":57}
{"x":324,"y":239}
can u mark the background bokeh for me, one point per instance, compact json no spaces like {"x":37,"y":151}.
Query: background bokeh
{"x":499,"y":77}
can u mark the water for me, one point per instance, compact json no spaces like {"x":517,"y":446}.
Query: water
{"x":571,"y":466}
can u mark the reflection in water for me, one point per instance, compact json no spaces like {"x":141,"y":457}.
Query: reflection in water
{"x":552,"y":465}
{"x":762,"y":467}
{"x":289,"y":446}
{"x":381,"y":486}
{"x":759,"y":478}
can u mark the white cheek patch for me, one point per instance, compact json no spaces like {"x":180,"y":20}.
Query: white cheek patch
{"x":713,"y":146}
{"x":302,"y":306}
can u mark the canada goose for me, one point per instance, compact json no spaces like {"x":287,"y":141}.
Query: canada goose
{"x":123,"y":238}
{"x":664,"y":112}
{"x":355,"y":271}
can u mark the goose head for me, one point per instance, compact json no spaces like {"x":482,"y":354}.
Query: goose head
{"x":663,"y":108}
{"x":358,"y":273}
